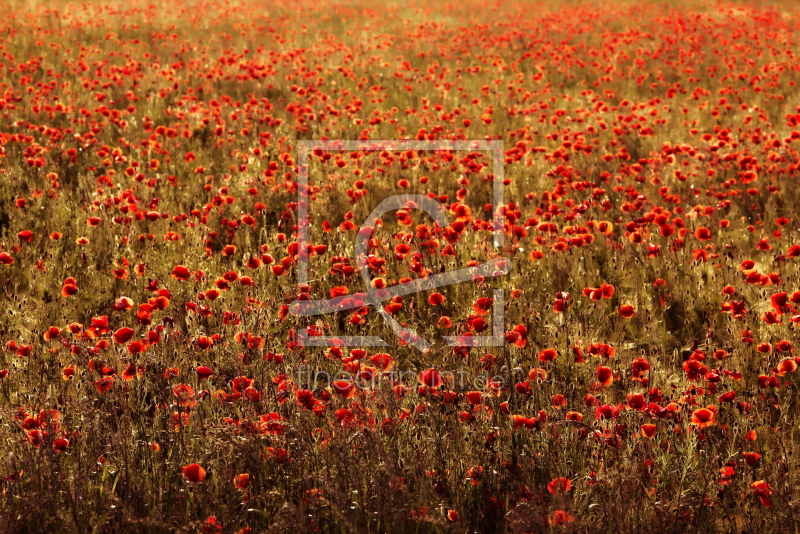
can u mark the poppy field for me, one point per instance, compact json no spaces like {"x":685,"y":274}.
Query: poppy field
{"x":625,"y":363}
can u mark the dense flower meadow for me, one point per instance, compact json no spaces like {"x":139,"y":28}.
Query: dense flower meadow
{"x":153,"y":375}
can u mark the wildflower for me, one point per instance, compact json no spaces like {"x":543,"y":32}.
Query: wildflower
{"x":559,"y":485}
{"x":194,"y":473}
{"x":704,"y":417}
{"x":762,"y":490}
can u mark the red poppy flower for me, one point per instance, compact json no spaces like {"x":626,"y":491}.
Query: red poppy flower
{"x":548,"y":355}
{"x":241,"y":481}
{"x":194,"y":473}
{"x":607,"y":291}
{"x":123,"y":335}
{"x":382,"y":361}
{"x":185,"y":395}
{"x":787,"y":365}
{"x":703,"y":234}
{"x":344,"y":388}
{"x":779,"y":302}
{"x":762,"y":490}
{"x":607,"y":411}
{"x":518,"y":335}
{"x":536,"y":375}
{"x":560,"y":517}
{"x":605,"y":375}
{"x":181,"y":273}
{"x":704,"y":417}
{"x":639,"y":367}
{"x":37,"y":437}
{"x":205,"y":342}
{"x":136,"y":347}
{"x":123,"y":303}
{"x":574,"y":416}
{"x":204,"y":372}
{"x":430,"y":378}
{"x":751,"y":458}
{"x":559,"y":485}
{"x":483,"y":305}
{"x":305,"y":398}
{"x":104,"y":384}
{"x":435,"y":299}
{"x":648,"y":430}
{"x":601,"y":349}
{"x":52,"y":332}
{"x":636,"y":401}
{"x":767,"y":381}
{"x":241,"y":383}
{"x":474,"y":397}
{"x":69,"y":288}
